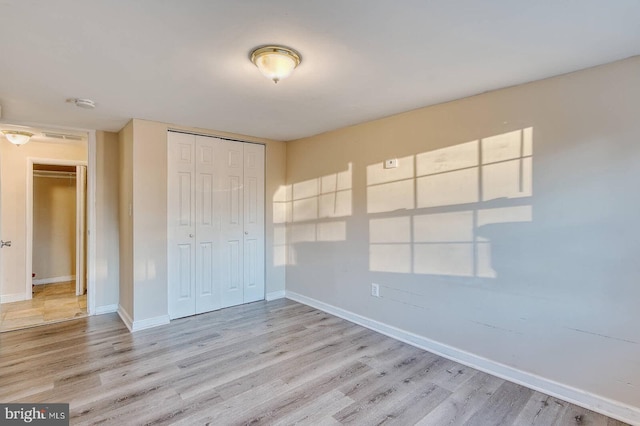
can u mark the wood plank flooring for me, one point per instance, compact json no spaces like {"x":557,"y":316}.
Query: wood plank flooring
{"x":275,"y":363}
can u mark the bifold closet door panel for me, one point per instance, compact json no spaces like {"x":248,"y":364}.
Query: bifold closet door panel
{"x":253,"y":222}
{"x":230,"y":172}
{"x":207,"y":279}
{"x":181,"y":224}
{"x":215,"y":223}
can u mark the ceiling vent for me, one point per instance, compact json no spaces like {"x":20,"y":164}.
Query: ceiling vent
{"x":62,"y":136}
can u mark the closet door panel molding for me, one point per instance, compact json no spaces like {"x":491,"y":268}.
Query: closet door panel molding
{"x":207,"y":282}
{"x":231,"y":175}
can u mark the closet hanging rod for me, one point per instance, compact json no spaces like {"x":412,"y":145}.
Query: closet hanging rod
{"x":53,"y":173}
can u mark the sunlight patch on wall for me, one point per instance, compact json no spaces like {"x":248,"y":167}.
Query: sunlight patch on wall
{"x":324,"y":197}
{"x":444,"y":243}
{"x":508,"y":146}
{"x":281,"y":215}
{"x":509,"y":179}
{"x":507,"y":165}
{"x":443,"y":227}
{"x":391,"y":196}
{"x":390,"y":248}
{"x":302,"y":233}
{"x":468,"y":179}
{"x":306,"y":211}
{"x":313,"y":232}
{"x":449,"y":188}
{"x":391,"y":189}
{"x":457,"y":157}
{"x":390,"y":230}
{"x":377,"y":174}
{"x":331,"y":231}
{"x":282,"y":204}
{"x":279,"y":245}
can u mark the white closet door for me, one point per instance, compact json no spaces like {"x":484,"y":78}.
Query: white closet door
{"x":207,"y":284}
{"x":181,"y":224}
{"x":215,"y":223}
{"x":231,"y":177}
{"x":253,"y":222}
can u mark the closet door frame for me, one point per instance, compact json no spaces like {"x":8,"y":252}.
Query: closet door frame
{"x":249,"y":235}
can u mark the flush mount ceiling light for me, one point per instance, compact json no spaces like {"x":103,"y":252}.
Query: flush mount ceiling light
{"x":275,"y":62}
{"x":82,"y":103}
{"x":17,"y":137}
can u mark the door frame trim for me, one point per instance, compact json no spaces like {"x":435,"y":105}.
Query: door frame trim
{"x":90,"y":163}
{"x":81,"y":225}
{"x":29,"y":214}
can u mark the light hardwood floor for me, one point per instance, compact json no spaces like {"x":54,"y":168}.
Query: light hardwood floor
{"x":276,"y":362}
{"x":50,"y":303}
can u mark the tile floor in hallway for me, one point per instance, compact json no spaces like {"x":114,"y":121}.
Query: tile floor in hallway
{"x":50,"y":303}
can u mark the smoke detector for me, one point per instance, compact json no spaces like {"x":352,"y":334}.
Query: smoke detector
{"x":82,"y":103}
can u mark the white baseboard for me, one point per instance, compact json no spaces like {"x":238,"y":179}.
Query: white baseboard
{"x":54,"y":280}
{"x":150,"y":322}
{"x":141,"y":324}
{"x":106,"y":309}
{"x":124,"y":316}
{"x":16,"y":297}
{"x":608,"y":407}
{"x":275,"y":295}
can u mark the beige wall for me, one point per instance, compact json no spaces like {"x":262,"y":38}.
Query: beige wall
{"x":107,"y":203}
{"x":509,"y":230}
{"x":125,"y":217}
{"x":54,"y":227}
{"x":145,"y":144}
{"x":13,"y":169}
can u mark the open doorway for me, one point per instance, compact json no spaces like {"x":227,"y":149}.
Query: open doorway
{"x":43,"y":210}
{"x":58,"y":249}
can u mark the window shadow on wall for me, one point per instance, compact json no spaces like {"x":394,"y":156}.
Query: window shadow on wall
{"x":430,"y":214}
{"x":311,"y":211}
{"x":447,"y":215}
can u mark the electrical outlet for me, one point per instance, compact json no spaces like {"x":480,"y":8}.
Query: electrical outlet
{"x":375,"y":290}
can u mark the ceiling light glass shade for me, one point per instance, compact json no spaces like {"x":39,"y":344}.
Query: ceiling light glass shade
{"x":16,"y":137}
{"x":275,"y":62}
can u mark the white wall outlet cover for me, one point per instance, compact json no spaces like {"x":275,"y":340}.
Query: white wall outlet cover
{"x":375,"y":290}
{"x":391,"y":164}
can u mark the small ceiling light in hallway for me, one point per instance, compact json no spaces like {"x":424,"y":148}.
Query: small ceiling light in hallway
{"x":275,"y":62}
{"x":17,"y":137}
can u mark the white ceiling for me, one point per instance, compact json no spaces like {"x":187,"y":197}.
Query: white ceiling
{"x":186,"y":62}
